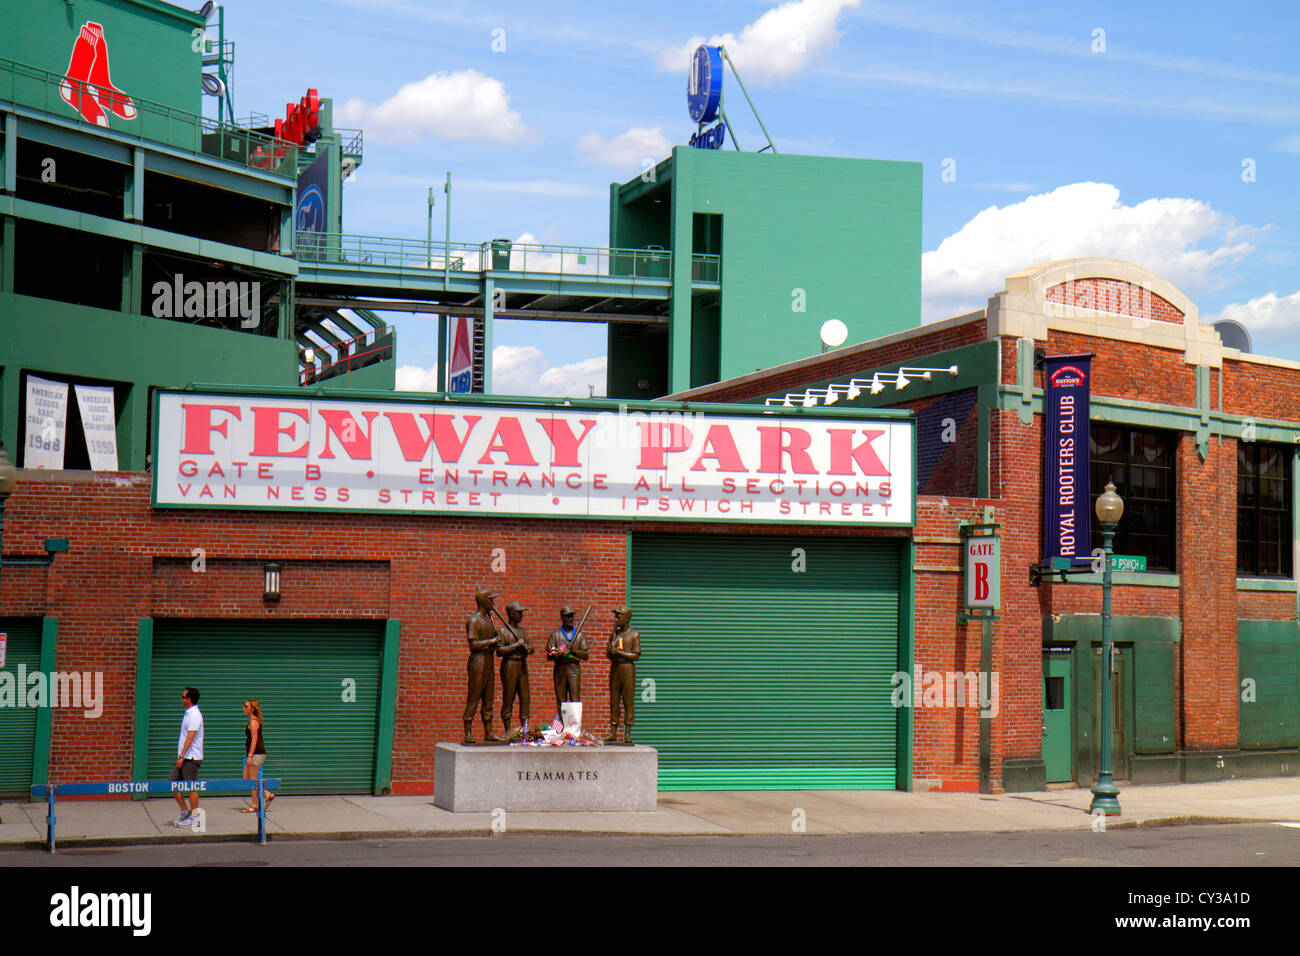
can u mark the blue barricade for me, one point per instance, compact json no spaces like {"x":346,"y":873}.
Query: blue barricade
{"x":113,"y":787}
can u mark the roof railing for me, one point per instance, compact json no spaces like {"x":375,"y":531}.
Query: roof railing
{"x":77,"y":101}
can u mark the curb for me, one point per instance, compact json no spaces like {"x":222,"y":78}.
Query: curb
{"x":482,"y":833}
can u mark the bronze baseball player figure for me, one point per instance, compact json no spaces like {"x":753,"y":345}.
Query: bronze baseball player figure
{"x":567,"y":647}
{"x":514,"y":646}
{"x":623,"y":651}
{"x":481,"y":634}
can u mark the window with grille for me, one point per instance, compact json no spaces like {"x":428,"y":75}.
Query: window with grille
{"x":1263,"y":510}
{"x":1141,"y":464}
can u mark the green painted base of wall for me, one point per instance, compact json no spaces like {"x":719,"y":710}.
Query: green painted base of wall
{"x":1205,"y":767}
{"x":1023,"y":774}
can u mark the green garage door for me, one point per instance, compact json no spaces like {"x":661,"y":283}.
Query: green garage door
{"x":320,"y":732}
{"x":767,"y":677}
{"x":18,"y":724}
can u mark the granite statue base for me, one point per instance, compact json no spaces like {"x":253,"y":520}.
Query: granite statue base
{"x":545,"y":778}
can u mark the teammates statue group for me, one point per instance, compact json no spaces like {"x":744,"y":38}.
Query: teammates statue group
{"x":566,"y":647}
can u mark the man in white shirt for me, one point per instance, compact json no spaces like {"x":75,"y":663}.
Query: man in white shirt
{"x":189,"y":754}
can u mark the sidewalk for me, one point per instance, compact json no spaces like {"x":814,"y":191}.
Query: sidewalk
{"x":85,"y":822}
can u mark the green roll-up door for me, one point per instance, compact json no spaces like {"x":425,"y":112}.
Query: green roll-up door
{"x":18,"y":723}
{"x":1268,"y":655}
{"x":320,"y":733}
{"x":767,"y":677}
{"x":1153,"y":697}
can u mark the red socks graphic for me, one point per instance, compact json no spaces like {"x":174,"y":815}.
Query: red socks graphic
{"x":87,"y":87}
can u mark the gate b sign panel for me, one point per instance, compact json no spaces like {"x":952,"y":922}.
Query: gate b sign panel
{"x":241,"y":451}
{"x":983,"y":571}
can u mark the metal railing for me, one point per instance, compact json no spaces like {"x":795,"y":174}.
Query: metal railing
{"x":371,"y":346}
{"x":154,"y":122}
{"x":498,"y":255}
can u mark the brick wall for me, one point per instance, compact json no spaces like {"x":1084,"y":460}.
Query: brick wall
{"x":128,"y":561}
{"x":1115,"y":296}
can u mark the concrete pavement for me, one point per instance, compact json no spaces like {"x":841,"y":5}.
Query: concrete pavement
{"x":97,"y":822}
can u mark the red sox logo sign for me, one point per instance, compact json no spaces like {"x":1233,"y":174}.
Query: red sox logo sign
{"x":87,"y":87}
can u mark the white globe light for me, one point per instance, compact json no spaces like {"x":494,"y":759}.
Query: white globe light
{"x":834,"y":332}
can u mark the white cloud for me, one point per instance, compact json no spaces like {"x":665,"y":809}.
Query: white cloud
{"x":412,"y":378}
{"x":525,"y":370}
{"x":1184,"y":240}
{"x":520,"y":370}
{"x":1289,"y":144}
{"x":627,"y":150}
{"x":464,"y":105}
{"x":779,"y":44}
{"x":1267,"y":313}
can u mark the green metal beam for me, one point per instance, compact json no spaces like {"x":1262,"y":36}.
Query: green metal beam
{"x":1169,"y":417}
{"x":146,"y":235}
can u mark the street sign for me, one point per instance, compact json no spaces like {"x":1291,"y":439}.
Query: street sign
{"x":983,"y":571}
{"x":1128,"y":562}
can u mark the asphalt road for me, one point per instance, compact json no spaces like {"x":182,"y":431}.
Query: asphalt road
{"x":1238,"y":845}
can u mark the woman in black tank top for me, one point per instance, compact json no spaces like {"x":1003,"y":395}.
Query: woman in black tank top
{"x":254,"y":749}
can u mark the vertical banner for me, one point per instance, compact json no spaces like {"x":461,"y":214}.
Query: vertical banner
{"x":461,"y":378}
{"x":47,"y":414}
{"x":1067,"y":523}
{"x":99,"y":422}
{"x":310,"y":214}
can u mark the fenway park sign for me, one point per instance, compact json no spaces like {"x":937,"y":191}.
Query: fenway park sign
{"x":440,"y":458}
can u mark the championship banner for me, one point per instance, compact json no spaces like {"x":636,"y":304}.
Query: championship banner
{"x":99,"y":423}
{"x":441,"y":458}
{"x":47,"y":414}
{"x":1067,"y":523}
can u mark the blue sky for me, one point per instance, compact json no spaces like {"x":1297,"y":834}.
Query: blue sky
{"x":1166,"y":133}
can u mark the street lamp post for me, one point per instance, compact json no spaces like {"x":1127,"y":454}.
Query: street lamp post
{"x":8,"y":475}
{"x":1105,"y":796}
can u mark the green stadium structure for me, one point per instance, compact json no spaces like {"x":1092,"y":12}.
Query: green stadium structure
{"x":143,"y":245}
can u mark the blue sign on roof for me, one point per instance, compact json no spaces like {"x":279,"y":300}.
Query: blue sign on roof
{"x":704,"y":84}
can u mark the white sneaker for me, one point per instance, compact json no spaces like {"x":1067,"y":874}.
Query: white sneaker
{"x":184,"y":820}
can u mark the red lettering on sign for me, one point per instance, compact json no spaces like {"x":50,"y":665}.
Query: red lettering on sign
{"x":776,"y":443}
{"x":982,"y":581}
{"x":343,"y":424}
{"x":723,"y":450}
{"x":566,"y":445}
{"x":267,"y":431}
{"x":199,"y":426}
{"x":654,"y":446}
{"x":442,"y":433}
{"x":844,"y":455}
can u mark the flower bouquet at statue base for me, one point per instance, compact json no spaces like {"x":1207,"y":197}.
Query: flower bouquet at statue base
{"x":565,"y":730}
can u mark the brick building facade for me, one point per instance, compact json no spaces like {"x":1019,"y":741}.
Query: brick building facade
{"x":1207,"y":666}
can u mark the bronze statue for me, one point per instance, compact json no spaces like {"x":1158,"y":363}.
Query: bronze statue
{"x":568,"y":648}
{"x":623,"y":651}
{"x":482,"y":637}
{"x":513,"y":646}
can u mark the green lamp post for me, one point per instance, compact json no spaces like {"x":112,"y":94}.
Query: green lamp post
{"x":1105,"y":796}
